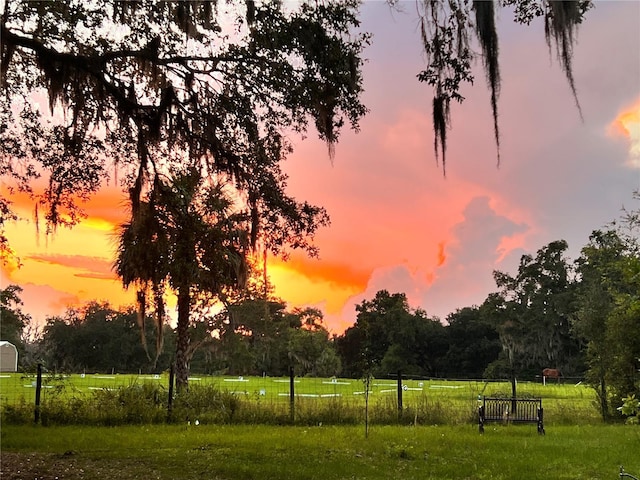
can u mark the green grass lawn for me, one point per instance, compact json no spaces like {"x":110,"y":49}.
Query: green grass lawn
{"x":442,"y":443}
{"x":333,"y":452}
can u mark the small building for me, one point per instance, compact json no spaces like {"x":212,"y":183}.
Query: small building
{"x":8,"y":357}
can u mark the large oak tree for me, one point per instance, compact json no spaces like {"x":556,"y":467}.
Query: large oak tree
{"x":220,"y":82}
{"x":152,"y":86}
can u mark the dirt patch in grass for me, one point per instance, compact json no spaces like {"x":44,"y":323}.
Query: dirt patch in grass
{"x":68,"y":466}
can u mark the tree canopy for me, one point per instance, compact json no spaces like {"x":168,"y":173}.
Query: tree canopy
{"x":97,"y":338}
{"x":389,"y":336}
{"x":607,"y":319}
{"x":535,"y":306}
{"x":220,"y":83}
{"x":160,"y":88}
{"x":13,"y":321}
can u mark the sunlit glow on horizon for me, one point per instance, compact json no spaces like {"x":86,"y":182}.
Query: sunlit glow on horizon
{"x":628,"y":124}
{"x":298,"y":287}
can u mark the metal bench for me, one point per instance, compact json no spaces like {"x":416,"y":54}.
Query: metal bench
{"x":511,"y":410}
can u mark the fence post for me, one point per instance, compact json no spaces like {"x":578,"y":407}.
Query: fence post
{"x":399,"y":395}
{"x":38,"y":391}
{"x":292,"y":396}
{"x":171,"y":381}
{"x":367,"y":384}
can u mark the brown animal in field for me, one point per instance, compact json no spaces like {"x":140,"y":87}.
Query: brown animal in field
{"x":552,"y":373}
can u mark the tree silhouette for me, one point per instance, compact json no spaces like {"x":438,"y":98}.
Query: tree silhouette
{"x":220,"y":83}
{"x":158,"y":88}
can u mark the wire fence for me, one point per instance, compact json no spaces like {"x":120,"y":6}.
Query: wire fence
{"x":18,"y":387}
{"x":258,"y":398}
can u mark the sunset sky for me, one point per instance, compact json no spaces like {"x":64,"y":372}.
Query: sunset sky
{"x":397,"y":222}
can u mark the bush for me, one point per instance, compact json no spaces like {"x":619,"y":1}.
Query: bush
{"x":631,"y":409}
{"x":19,"y":414}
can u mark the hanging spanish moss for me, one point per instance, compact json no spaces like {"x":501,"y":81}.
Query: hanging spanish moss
{"x":255,"y":218}
{"x":440,"y":123}
{"x":251,"y":11}
{"x":560,"y":24}
{"x":325,"y":123}
{"x":445,"y":27}
{"x":488,"y":37}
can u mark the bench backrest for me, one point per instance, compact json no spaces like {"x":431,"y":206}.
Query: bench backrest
{"x":514,"y":410}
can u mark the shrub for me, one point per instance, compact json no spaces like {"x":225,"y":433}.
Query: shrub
{"x":631,"y":409}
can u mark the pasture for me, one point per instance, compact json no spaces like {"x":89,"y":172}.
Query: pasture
{"x":16,"y":385}
{"x":267,"y":399}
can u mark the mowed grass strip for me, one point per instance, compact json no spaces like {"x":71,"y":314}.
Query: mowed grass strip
{"x":334,"y":452}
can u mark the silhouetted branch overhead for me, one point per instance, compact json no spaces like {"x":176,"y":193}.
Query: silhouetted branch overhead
{"x":214,"y":84}
{"x":446,"y":28}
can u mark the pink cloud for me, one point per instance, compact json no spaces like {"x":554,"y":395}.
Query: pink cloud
{"x":45,"y":301}
{"x":92,"y":265}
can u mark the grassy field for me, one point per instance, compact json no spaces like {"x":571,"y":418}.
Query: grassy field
{"x":328,"y":452}
{"x":15,"y":386}
{"x":266,"y":399}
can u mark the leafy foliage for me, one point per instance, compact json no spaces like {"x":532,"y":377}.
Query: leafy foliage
{"x":537,"y":303}
{"x":97,"y":338}
{"x":221,"y":85}
{"x":14,"y":323}
{"x":608,"y":315}
{"x":389,"y":337}
{"x":631,"y":409}
{"x":258,"y":336}
{"x":473,"y":344}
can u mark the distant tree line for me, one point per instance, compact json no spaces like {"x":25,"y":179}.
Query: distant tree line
{"x":263,"y":338}
{"x":581,"y":317}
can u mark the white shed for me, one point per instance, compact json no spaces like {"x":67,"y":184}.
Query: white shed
{"x":8,"y":357}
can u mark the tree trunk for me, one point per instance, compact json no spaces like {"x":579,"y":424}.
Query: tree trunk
{"x":604,"y":403}
{"x":183,"y":340}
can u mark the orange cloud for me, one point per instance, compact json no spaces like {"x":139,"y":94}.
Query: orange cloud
{"x":108,"y":208}
{"x":97,"y":276}
{"x":627,"y":124}
{"x":105,"y":209}
{"x":326,"y":285}
{"x":336,"y":274}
